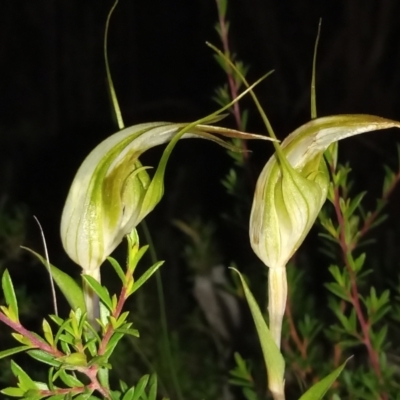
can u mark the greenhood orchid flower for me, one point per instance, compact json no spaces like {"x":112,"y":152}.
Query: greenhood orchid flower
{"x":290,"y":193}
{"x":112,"y":192}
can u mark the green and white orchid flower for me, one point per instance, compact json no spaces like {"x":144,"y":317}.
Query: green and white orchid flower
{"x":112,"y":192}
{"x":290,"y":193}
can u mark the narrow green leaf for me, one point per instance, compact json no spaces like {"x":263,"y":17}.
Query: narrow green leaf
{"x":132,"y":332}
{"x":140,"y":387}
{"x":115,"y":395}
{"x":129,"y":394}
{"x":135,"y":255}
{"x":101,"y":291}
{"x":56,"y":319}
{"x":21,"y":339}
{"x":112,"y":343}
{"x":14,"y":350}
{"x":13,"y":392}
{"x":145,"y":276}
{"x":44,"y":357}
{"x":272,"y":356}
{"x":337,"y":290}
{"x":70,"y":380}
{"x":153,"y":387}
{"x":69,"y":288}
{"x":9,"y":293}
{"x":104,"y":377}
{"x":317,"y":391}
{"x":117,"y":268}
{"x":25,"y":382}
{"x":354,"y":204}
{"x":48,"y":333}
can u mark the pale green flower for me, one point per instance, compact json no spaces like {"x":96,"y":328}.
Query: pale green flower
{"x":112,"y":192}
{"x":292,"y":187}
{"x":289,"y":194}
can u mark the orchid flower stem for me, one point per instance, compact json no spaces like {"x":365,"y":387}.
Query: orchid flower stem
{"x":277,"y":296}
{"x":163,"y":314}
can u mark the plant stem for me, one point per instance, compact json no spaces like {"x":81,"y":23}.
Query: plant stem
{"x":354,"y":295}
{"x":231,"y":80}
{"x":277,"y":295}
{"x":35,"y":341}
{"x":301,"y":345}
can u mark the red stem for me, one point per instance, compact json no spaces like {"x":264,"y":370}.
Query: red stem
{"x":302,"y":346}
{"x":110,"y":330}
{"x":354,"y":295}
{"x":231,"y":81}
{"x":36,"y":342}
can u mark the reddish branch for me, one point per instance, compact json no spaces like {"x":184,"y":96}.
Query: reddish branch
{"x":231,"y":80}
{"x":301,"y":345}
{"x":354,"y":295}
{"x":32,"y":338}
{"x":110,"y":330}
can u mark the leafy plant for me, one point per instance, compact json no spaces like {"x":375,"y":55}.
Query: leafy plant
{"x":304,"y":352}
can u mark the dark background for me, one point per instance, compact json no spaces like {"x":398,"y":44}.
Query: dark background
{"x":54,"y":104}
{"x":55,"y":107}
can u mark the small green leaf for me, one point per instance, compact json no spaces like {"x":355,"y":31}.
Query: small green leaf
{"x":55,"y":318}
{"x":112,"y":343}
{"x":354,"y":204}
{"x":140,"y":387}
{"x":129,"y":394}
{"x":153,"y":387}
{"x":48,"y":333}
{"x":145,"y":276}
{"x":44,"y":357}
{"x":21,"y":339}
{"x":13,"y":392}
{"x":9,"y":293}
{"x":117,"y":269}
{"x":317,"y":391}
{"x":70,"y":380}
{"x":91,"y":346}
{"x":337,"y":290}
{"x":25,"y":382}
{"x":135,"y":255}
{"x":272,"y":356}
{"x":379,"y":338}
{"x":14,"y":350}
{"x":132,"y":332}
{"x":69,"y":288}
{"x":101,"y":291}
{"x":104,"y":377}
